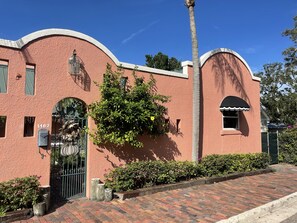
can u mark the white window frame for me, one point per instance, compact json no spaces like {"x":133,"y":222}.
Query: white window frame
{"x":4,"y":64}
{"x":233,"y":117}
{"x":32,"y":68}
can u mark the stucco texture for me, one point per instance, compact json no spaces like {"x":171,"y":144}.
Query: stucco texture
{"x":21,"y":156}
{"x":223,"y":74}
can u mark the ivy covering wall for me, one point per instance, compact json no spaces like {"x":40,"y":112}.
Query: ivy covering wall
{"x":126,"y":111}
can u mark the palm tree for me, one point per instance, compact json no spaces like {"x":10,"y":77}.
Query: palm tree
{"x":196,"y":82}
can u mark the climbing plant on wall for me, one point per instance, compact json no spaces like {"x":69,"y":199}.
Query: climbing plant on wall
{"x":125,"y":111}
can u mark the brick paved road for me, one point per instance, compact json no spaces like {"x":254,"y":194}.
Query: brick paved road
{"x":204,"y":203}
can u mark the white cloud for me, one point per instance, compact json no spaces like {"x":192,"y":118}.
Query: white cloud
{"x":133,"y":35}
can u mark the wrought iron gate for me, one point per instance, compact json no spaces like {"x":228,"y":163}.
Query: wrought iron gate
{"x":270,"y":145}
{"x":273,"y":147}
{"x":68,"y":150}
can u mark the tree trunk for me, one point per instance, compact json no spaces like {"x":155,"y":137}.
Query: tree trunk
{"x":196,"y":83}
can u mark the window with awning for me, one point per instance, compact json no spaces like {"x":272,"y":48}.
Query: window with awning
{"x":233,"y":103}
{"x":230,"y":108}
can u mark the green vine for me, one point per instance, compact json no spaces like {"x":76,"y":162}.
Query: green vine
{"x":125,"y":112}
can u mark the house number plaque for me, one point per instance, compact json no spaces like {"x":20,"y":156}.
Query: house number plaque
{"x":42,"y":126}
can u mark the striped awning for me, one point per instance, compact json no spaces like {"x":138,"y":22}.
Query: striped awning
{"x":233,"y":103}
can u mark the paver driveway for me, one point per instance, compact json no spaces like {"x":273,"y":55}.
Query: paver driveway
{"x":203,"y":203}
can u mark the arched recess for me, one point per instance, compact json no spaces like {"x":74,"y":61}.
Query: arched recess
{"x":68,"y":149}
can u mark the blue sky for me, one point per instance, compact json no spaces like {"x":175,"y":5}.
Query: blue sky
{"x":132,"y":28}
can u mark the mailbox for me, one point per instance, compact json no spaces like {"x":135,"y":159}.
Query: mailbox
{"x":42,"y":137}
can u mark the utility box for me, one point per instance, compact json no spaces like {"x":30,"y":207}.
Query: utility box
{"x":42,"y":137}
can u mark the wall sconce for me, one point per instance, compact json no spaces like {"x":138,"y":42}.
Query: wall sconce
{"x":18,"y":76}
{"x":74,"y":64}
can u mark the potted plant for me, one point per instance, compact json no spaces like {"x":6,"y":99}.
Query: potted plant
{"x":39,"y":206}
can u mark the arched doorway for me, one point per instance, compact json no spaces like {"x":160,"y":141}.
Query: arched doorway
{"x":68,"y":149}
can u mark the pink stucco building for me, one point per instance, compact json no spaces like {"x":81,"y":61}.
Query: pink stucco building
{"x":35,"y":79}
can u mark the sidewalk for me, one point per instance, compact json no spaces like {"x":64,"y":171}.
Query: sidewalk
{"x":203,"y":203}
{"x":283,"y":210}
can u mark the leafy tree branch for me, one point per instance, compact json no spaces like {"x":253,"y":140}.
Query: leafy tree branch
{"x":125,"y":112}
{"x":279,"y":84}
{"x":162,"y":61}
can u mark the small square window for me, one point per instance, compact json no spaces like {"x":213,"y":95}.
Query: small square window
{"x":29,"y":126}
{"x":2,"y":126}
{"x":177,"y":125}
{"x":167,"y":125}
{"x":230,"y":120}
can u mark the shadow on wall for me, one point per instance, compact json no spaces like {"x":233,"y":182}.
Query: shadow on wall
{"x":27,"y":56}
{"x":244,"y":126}
{"x":201,"y":127}
{"x":161,"y":147}
{"x":226,"y":67}
{"x":83,"y":79}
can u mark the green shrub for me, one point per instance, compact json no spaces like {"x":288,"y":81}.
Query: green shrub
{"x":150,"y":173}
{"x":126,"y":112}
{"x":218,"y":165}
{"x":19,"y":193}
{"x":288,"y":146}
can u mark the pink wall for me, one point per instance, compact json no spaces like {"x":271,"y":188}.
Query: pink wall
{"x":21,"y":156}
{"x":222,"y":75}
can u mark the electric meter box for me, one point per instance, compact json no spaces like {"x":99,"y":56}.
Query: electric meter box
{"x":42,"y":137}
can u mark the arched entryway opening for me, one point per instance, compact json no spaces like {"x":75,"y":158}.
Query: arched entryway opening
{"x":68,"y":150}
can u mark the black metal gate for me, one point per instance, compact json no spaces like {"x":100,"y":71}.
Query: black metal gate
{"x":68,"y":150}
{"x":270,"y":145}
{"x":273,"y":147}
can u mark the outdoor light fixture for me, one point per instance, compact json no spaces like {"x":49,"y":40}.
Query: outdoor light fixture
{"x":123,"y":82}
{"x":18,"y":76}
{"x":74,"y":64}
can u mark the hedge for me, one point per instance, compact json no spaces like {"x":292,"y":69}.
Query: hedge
{"x":288,"y":146}
{"x":19,"y":193}
{"x":218,"y":165}
{"x":150,"y":173}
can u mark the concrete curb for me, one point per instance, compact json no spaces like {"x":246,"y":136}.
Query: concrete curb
{"x":255,"y":213}
{"x":185,"y":184}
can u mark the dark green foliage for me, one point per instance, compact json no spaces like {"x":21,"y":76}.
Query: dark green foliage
{"x":291,"y":53}
{"x":162,"y":61}
{"x":217,"y":165}
{"x":288,"y":146}
{"x":279,"y":84}
{"x":19,"y":193}
{"x":277,"y":94}
{"x":125,"y":112}
{"x":150,"y":173}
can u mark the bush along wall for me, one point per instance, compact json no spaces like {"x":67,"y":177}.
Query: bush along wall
{"x":219,"y":165}
{"x":150,"y":173}
{"x":288,"y":146}
{"x":19,"y":193}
